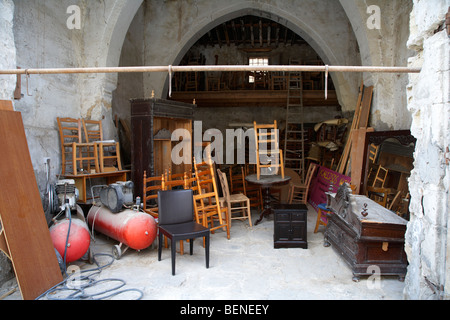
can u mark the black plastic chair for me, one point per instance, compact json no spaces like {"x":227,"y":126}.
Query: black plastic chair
{"x":176,"y":222}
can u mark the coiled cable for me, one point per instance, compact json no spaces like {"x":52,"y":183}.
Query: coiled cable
{"x":79,"y":291}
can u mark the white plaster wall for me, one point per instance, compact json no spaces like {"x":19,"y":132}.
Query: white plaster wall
{"x":427,"y":236}
{"x":7,"y":49}
{"x":385,"y":46}
{"x":43,"y":40}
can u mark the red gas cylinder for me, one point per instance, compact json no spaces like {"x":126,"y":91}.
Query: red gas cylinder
{"x":135,"y":229}
{"x":79,"y":238}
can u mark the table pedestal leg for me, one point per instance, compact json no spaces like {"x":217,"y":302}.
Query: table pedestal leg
{"x":267,"y":210}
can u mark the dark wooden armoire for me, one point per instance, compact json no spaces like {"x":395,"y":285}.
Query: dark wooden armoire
{"x":152,"y":123}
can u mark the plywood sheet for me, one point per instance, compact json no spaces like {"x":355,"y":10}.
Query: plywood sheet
{"x":23,"y":220}
{"x":365,"y":107}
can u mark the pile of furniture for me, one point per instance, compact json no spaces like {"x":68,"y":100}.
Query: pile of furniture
{"x":85,"y":155}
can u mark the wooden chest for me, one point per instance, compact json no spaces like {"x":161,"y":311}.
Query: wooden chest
{"x":368,"y":236}
{"x":290,"y":226}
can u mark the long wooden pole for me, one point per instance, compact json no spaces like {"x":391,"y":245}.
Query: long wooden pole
{"x":196,"y":68}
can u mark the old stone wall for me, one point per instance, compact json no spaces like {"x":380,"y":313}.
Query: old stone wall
{"x":427,"y":239}
{"x":7,"y":85}
{"x":34,"y":34}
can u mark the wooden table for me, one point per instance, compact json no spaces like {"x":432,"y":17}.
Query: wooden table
{"x":80,"y":180}
{"x":266,"y":182}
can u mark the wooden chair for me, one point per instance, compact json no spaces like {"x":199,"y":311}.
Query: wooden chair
{"x":237,"y":179}
{"x":151,"y":186}
{"x":299,"y":191}
{"x":380,"y":177}
{"x":378,"y":194}
{"x":267,"y":135}
{"x":395,"y":204}
{"x":170,"y":181}
{"x":253,"y":192}
{"x":207,"y":205}
{"x":93,"y":133}
{"x":322,"y":218}
{"x":73,"y":150}
{"x":239,"y":199}
{"x":203,"y":175}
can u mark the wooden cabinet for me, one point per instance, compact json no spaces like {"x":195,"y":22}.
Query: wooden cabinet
{"x":290,"y":226}
{"x":152,"y":123}
{"x":369,"y":237}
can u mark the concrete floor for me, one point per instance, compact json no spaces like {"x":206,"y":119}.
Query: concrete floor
{"x":246,"y":267}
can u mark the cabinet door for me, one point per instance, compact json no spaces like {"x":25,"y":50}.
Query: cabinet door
{"x":298,"y":231}
{"x":283,"y":231}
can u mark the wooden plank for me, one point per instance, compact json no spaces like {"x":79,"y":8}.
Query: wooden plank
{"x":343,"y":161}
{"x":357,"y":156}
{"x":6,"y":105}
{"x":23,"y":219}
{"x":365,"y":107}
{"x":255,"y":98}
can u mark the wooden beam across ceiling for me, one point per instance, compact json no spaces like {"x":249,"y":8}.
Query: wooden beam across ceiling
{"x":248,"y":30}
{"x":253,"y":98}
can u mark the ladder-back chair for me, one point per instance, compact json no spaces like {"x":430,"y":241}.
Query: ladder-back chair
{"x":93,"y":132}
{"x":151,"y":186}
{"x":266,"y":135}
{"x":207,"y":205}
{"x":74,"y":152}
{"x":299,"y":191}
{"x":231,"y":200}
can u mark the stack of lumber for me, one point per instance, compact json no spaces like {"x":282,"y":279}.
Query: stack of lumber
{"x":360,"y":121}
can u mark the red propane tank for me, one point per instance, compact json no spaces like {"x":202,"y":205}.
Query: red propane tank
{"x":79,"y":238}
{"x":135,"y":229}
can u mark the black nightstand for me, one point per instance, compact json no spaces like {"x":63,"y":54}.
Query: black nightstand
{"x":290,"y":226}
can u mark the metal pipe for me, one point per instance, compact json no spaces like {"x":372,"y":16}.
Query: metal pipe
{"x":196,"y":68}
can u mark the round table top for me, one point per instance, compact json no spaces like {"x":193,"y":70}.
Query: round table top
{"x":268,"y":180}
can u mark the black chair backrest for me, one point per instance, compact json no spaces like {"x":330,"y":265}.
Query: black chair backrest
{"x":175,"y":206}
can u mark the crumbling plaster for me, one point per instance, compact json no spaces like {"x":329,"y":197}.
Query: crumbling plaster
{"x":427,"y":238}
{"x":7,"y":85}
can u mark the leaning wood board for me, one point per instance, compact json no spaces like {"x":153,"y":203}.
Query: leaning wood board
{"x":365,"y":107}
{"x":25,"y":235}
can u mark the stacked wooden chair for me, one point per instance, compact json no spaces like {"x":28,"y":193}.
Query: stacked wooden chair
{"x":108,"y":150}
{"x":266,"y":137}
{"x":75,"y":153}
{"x":83,"y":147}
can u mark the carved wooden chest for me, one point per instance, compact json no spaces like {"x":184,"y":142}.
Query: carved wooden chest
{"x":368,"y":236}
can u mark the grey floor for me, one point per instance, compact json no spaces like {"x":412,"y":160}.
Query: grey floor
{"x":246,"y":267}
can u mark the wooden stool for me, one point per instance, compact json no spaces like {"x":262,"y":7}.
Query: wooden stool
{"x":321,"y":216}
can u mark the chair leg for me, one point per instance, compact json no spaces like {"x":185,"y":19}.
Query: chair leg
{"x":119,"y":161}
{"x":160,"y":238}
{"x":207,"y":250}
{"x":173,"y":249}
{"x":319,"y":216}
{"x":191,"y":246}
{"x":249,"y":213}
{"x":74,"y":159}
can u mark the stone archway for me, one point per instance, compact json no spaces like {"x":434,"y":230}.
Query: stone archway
{"x":322,"y":37}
